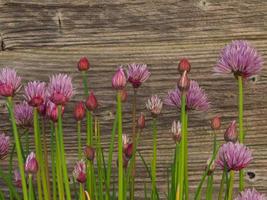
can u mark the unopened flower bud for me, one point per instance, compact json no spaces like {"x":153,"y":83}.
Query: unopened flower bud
{"x":212,"y":167}
{"x":129,"y":151}
{"x":231,"y":134}
{"x":184,"y":65}
{"x":176,"y":131}
{"x":91,"y":102}
{"x":17,"y":179}
{"x":124,"y":95}
{"x":141,"y":121}
{"x":184,"y":82}
{"x":119,"y":79}
{"x":89,"y":153}
{"x":216,"y":123}
{"x":79,"y":172}
{"x":79,"y":111}
{"x":83,"y":64}
{"x":31,"y":165}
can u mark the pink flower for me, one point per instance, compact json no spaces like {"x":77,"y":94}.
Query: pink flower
{"x":233,"y":156}
{"x":4,"y":146}
{"x":119,"y":79}
{"x":31,"y":165}
{"x":35,"y":93}
{"x":79,"y":111}
{"x":23,"y":114}
{"x":91,"y":102}
{"x":137,"y":74}
{"x":251,"y":194}
{"x":89,"y":153}
{"x":196,"y":98}
{"x":239,"y":58}
{"x":176,"y":131}
{"x":83,"y":64}
{"x":17,"y":179}
{"x":52,"y":111}
{"x":9,"y":82}
{"x":154,"y":105}
{"x":60,"y":89}
{"x":231,"y":134}
{"x":79,"y":172}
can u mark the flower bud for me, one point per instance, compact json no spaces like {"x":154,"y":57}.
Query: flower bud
{"x":31,"y":165}
{"x":79,"y":172}
{"x":91,"y":102}
{"x":124,"y":95}
{"x":216,"y":123}
{"x":79,"y":111}
{"x":212,"y":167}
{"x":231,"y":134}
{"x":184,"y":82}
{"x":125,"y":142}
{"x":176,"y":131}
{"x":89,"y":153}
{"x":17,"y":179}
{"x":119,"y":79}
{"x":141,"y":121}
{"x":184,"y":65}
{"x":129,"y":151}
{"x":83,"y":64}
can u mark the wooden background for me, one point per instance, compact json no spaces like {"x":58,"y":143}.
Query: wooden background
{"x":40,"y":38}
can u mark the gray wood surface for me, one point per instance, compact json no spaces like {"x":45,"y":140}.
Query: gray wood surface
{"x":40,"y":38}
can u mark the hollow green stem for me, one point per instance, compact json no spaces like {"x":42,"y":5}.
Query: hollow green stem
{"x":221,"y":190}
{"x":119,"y":111}
{"x":154,"y":158}
{"x":89,"y":141}
{"x":52,"y":143}
{"x":82,"y":194}
{"x":231,"y":185}
{"x":31,"y":195}
{"x":85,"y":84}
{"x":186,"y":192}
{"x":18,"y":147}
{"x":62,"y":148}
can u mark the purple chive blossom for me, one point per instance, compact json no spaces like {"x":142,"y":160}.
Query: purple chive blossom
{"x":17,"y":178}
{"x":52,"y":111}
{"x":31,"y":165}
{"x":196,"y":98}
{"x":23,"y":114}
{"x":60,"y":89}
{"x":176,"y":131}
{"x":9,"y":82}
{"x":119,"y":79}
{"x":4,"y":146}
{"x":35,"y":93}
{"x":154,"y":105}
{"x":79,"y":172}
{"x":233,"y":156}
{"x":251,"y":194}
{"x":240,"y":58}
{"x":137,"y":74}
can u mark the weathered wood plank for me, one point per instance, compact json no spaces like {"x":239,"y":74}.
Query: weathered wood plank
{"x":44,"y":37}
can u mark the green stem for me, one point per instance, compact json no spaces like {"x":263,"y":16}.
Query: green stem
{"x":179,"y":192}
{"x":52,"y":143}
{"x":79,"y":139}
{"x":209,"y":187}
{"x":231,"y":185}
{"x":18,"y":148}
{"x":89,"y":141}
{"x":82,"y":196}
{"x":31,"y":195}
{"x":241,"y":130}
{"x":85,"y":85}
{"x":186,"y":158}
{"x":221,"y":186}
{"x":27,"y":141}
{"x":119,"y":111}
{"x":154,"y":159}
{"x":62,"y":148}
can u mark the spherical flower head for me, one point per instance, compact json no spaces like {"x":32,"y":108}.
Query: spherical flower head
{"x":216,"y":123}
{"x":9,"y":82}
{"x":35,"y":93}
{"x":23,"y":114}
{"x":79,"y":111}
{"x":60,"y":89}
{"x":239,"y":58}
{"x":83,"y":64}
{"x":17,"y":179}
{"x":137,"y":74}
{"x":233,"y":156}
{"x":154,"y":105}
{"x":184,"y":65}
{"x":251,"y":194}
{"x":196,"y":98}
{"x":141,"y":121}
{"x":52,"y":111}
{"x":176,"y":131}
{"x":79,"y":172}
{"x":31,"y":165}
{"x":89,"y":153}
{"x":231,"y":133}
{"x":4,"y":146}
{"x":119,"y":79}
{"x":91,"y":102}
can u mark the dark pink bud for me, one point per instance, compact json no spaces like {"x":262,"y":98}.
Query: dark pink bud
{"x":89,"y":153}
{"x":184,"y":65}
{"x":17,"y":179}
{"x":79,"y":111}
{"x":141,"y":121}
{"x":83,"y":64}
{"x":184,"y":82}
{"x":119,"y":79}
{"x":124,"y":95}
{"x":79,"y":172}
{"x":231,"y":134}
{"x":91,"y":102}
{"x":216,"y":123}
{"x":129,"y":151}
{"x":31,"y":165}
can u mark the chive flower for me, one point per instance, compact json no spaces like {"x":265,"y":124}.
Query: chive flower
{"x":4,"y":146}
{"x":10,"y":82}
{"x":137,"y":74}
{"x":79,"y":172}
{"x":154,"y":105}
{"x":250,"y":194}
{"x":35,"y":93}
{"x":31,"y":164}
{"x":119,"y":79}
{"x":23,"y":114}
{"x":79,"y":111}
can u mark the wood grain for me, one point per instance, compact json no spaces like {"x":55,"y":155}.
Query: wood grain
{"x":40,"y":38}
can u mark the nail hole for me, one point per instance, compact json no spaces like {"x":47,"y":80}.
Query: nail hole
{"x":3,"y":46}
{"x":253,"y":79}
{"x":251,"y":175}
